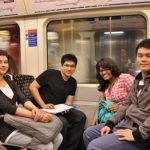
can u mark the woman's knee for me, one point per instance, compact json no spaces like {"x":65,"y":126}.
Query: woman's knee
{"x":57,"y":141}
{"x":49,"y":146}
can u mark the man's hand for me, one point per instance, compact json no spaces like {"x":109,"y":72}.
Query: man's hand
{"x":124,"y":134}
{"x":48,"y":106}
{"x":105,"y":130}
{"x":64,"y":112}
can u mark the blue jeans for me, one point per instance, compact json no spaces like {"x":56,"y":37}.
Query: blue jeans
{"x":94,"y":141}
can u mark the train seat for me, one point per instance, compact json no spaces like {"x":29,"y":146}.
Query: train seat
{"x":23,"y":82}
{"x":86,"y":100}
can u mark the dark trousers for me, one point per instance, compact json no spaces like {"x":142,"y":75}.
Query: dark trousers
{"x":73,"y":127}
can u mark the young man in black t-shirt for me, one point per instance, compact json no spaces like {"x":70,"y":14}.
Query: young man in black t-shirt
{"x":58,"y":86}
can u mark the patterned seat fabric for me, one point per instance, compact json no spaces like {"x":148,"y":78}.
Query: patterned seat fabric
{"x":23,"y":82}
{"x":7,"y":76}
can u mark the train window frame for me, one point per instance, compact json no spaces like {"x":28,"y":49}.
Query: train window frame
{"x":64,"y":36}
{"x":10,"y":42}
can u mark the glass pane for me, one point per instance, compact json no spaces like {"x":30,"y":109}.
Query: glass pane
{"x":93,"y":38}
{"x":119,"y":41}
{"x":10,"y":41}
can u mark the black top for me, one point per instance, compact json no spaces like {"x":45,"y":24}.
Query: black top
{"x":8,"y":105}
{"x":53,"y":89}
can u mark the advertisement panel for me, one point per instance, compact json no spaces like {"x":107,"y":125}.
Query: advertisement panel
{"x":9,"y":8}
{"x":46,"y":6}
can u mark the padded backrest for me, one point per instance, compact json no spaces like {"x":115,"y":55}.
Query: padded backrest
{"x":23,"y":82}
{"x":7,"y":76}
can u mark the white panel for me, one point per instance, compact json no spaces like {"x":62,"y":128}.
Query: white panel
{"x":21,"y":24}
{"x":42,"y":43}
{"x":31,"y":54}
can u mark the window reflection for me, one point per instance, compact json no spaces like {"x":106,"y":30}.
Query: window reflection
{"x":10,"y":41}
{"x":93,"y":38}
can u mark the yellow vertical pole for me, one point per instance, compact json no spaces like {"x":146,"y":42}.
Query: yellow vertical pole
{"x":63,"y":36}
{"x":110,"y":37}
{"x":72,"y":35}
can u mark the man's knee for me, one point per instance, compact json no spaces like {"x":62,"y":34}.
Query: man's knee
{"x":64,"y":121}
{"x":87,"y":136}
{"x":80,"y":116}
{"x":89,"y":131}
{"x":93,"y":146}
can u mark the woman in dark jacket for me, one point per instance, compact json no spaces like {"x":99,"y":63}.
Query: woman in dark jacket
{"x":10,"y":95}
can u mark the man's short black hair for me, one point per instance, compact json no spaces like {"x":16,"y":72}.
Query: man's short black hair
{"x":145,"y":44}
{"x":69,"y":57}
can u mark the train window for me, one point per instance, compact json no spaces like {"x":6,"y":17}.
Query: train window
{"x":10,"y":42}
{"x":93,"y":38}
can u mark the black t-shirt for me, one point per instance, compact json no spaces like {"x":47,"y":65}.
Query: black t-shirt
{"x":53,"y":89}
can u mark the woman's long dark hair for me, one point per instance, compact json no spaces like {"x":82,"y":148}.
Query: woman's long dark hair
{"x":106,"y":63}
{"x":12,"y":66}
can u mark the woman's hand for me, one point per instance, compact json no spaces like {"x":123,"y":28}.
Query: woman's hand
{"x":35,"y":111}
{"x":102,"y":96}
{"x":41,"y":115}
{"x":113,"y":107}
{"x":46,"y":117}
